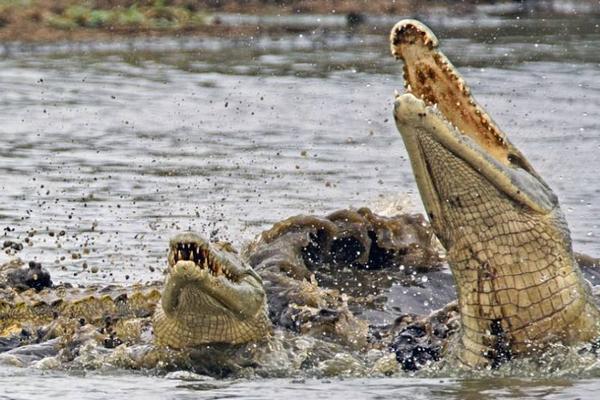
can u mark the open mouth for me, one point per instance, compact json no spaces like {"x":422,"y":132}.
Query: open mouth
{"x":429,"y":76}
{"x":200,"y":254}
{"x":439,"y":102}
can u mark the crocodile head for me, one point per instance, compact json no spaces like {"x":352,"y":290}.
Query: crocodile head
{"x":210,"y":296}
{"x":508,"y":244}
{"x":437,"y":105}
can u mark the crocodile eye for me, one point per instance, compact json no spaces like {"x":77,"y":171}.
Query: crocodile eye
{"x":517,"y":161}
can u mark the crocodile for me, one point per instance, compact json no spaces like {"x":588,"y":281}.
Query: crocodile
{"x":209,"y":296}
{"x":326,"y":286}
{"x":218,"y":310}
{"x":508,"y":245}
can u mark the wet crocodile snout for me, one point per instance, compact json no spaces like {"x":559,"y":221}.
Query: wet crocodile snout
{"x":407,"y":107}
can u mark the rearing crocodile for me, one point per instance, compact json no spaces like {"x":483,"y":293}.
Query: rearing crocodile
{"x":508,"y":244}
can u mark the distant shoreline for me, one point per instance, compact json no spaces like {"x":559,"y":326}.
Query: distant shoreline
{"x":46,"y":21}
{"x":49,"y":21}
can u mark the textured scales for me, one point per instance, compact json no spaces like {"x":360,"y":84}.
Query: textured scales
{"x":100,"y":306}
{"x":325,"y":275}
{"x":508,"y":244}
{"x":210,"y":296}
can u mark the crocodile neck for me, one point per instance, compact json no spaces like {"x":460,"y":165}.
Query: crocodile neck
{"x":518,"y":285}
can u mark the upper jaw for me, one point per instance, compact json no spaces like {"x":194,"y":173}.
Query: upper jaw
{"x":192,"y":251}
{"x":411,"y":32}
{"x":212,"y":271}
{"x":430,"y":76}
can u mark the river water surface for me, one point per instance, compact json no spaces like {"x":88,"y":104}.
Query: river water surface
{"x":107,"y":150}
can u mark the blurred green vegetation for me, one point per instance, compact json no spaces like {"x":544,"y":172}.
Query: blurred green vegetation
{"x":156,"y":16}
{"x":48,"y":20}
{"x":69,"y":15}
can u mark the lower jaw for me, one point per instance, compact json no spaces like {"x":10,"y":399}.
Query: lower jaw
{"x":183,"y":332}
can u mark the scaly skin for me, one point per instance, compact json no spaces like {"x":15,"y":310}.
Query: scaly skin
{"x":210,"y":296}
{"x":509,"y":248}
{"x":312,"y":269}
{"x":51,"y":312}
{"x":324,"y":275}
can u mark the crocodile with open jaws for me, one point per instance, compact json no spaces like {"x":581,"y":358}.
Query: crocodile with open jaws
{"x":508,"y":244}
{"x":209,"y":296}
{"x":215,"y":302}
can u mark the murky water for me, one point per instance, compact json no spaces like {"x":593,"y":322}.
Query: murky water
{"x":137,"y":386}
{"x":106,"y":151}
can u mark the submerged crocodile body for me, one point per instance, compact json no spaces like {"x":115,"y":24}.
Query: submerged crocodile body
{"x":507,"y":241}
{"x":210,"y":296}
{"x":340,"y":275}
{"x":213,"y":302}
